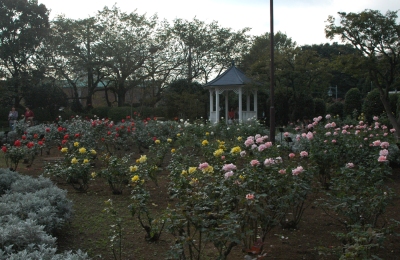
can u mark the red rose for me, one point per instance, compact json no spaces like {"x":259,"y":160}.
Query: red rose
{"x":40,"y":143}
{"x":117,"y":129}
{"x":66,"y":137}
{"x":30,"y":144}
{"x":24,"y":137}
{"x":108,"y":133}
{"x":64,"y":141}
{"x":4,"y":149}
{"x":128,"y":117}
{"x":59,"y":147}
{"x":154,"y":138}
{"x":47,"y":129}
{"x":59,"y":129}
{"x":64,"y":129}
{"x":93,"y":123}
{"x":17,"y":143}
{"x":102,"y":139}
{"x":77,"y":135}
{"x":35,"y":136}
{"x":123,"y":120}
{"x":117,"y":135}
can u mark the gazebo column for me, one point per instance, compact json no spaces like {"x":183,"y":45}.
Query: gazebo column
{"x":216,"y":105}
{"x":240,"y":105}
{"x":211,"y":103}
{"x":226,"y":105}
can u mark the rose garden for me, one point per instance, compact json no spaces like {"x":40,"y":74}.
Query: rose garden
{"x":227,"y":187}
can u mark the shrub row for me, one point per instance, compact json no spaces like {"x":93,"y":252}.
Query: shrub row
{"x":31,"y":210}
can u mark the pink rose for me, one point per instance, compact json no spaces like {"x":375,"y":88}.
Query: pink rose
{"x":250,"y":196}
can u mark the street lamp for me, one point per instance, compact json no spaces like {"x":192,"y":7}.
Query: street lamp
{"x":330,"y":93}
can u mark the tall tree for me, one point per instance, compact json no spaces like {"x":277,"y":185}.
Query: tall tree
{"x":377,"y":37}
{"x":23,"y":26}
{"x":74,"y":54}
{"x":125,"y":44}
{"x":207,"y":49}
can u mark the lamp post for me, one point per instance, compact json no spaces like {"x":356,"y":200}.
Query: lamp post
{"x":330,"y":91}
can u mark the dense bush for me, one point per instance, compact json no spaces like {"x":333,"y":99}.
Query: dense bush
{"x":301,"y":106}
{"x":353,"y":101}
{"x":7,"y":178}
{"x":319,"y":106}
{"x":336,"y":109}
{"x":30,"y":211}
{"x":372,"y":105}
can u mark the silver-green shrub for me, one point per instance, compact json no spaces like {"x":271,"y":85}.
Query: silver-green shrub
{"x":7,"y":178}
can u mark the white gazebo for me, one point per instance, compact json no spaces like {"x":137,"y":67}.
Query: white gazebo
{"x":233,"y":79}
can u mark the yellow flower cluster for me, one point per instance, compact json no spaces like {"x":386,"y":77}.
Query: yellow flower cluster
{"x":194,"y":181}
{"x":204,"y":143}
{"x":209,"y":169}
{"x":218,"y":152}
{"x":235,"y":150}
{"x":82,"y":150}
{"x":142,"y":159}
{"x":192,"y":170}
{"x":135,"y":178}
{"x":221,"y":145}
{"x":133,"y":168}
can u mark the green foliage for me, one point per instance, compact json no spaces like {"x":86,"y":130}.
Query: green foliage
{"x":282,"y":97}
{"x":118,"y":113}
{"x":319,"y":106}
{"x":372,"y":105}
{"x":186,"y":100}
{"x":101,"y":112}
{"x":336,"y":109}
{"x":301,"y":106}
{"x":353,"y":101}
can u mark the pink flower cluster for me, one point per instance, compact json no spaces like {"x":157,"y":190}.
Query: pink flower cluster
{"x":297,"y":170}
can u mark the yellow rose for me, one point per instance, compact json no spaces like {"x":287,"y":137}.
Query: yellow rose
{"x":239,"y":138}
{"x":64,"y":150}
{"x":133,"y":168}
{"x":142,"y":159}
{"x":93,"y":152}
{"x":74,"y":160}
{"x":192,"y":169}
{"x":184,"y":172}
{"x":85,"y":161}
{"x":82,"y":150}
{"x":157,"y":141}
{"x":169,"y":140}
{"x":76,"y":144}
{"x":135,"y":178}
{"x":235,"y":150}
{"x":204,"y":143}
{"x":218,"y":152}
{"x":207,"y":133}
{"x":93,"y":174}
{"x":173,"y":150}
{"x":194,"y":181}
{"x":178,"y":134}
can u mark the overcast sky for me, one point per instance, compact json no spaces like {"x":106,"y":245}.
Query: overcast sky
{"x":301,"y":20}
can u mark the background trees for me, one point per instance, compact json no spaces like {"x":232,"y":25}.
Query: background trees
{"x":23,"y":26}
{"x":138,"y":60}
{"x":377,"y":37}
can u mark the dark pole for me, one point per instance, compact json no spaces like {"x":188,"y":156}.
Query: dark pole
{"x":271,"y":88}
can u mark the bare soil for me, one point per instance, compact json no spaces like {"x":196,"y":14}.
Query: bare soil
{"x":89,"y":228}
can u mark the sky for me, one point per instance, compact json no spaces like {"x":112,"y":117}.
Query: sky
{"x":301,"y":20}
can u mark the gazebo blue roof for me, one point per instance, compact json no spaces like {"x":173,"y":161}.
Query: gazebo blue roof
{"x":232,"y":76}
